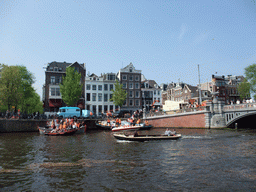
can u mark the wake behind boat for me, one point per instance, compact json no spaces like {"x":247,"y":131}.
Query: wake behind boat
{"x":146,"y":137}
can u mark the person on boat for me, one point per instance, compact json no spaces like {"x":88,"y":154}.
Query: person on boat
{"x":108,"y":122}
{"x":138,"y":121}
{"x":120,"y":121}
{"x":168,"y":132}
{"x":117,"y":122}
{"x":57,"y":124}
{"x":52,"y":124}
{"x":173,"y":132}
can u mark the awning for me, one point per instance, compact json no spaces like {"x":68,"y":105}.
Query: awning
{"x":55,"y":103}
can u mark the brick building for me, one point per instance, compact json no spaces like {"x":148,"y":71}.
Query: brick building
{"x":226,"y":87}
{"x":51,"y":90}
{"x":131,"y":80}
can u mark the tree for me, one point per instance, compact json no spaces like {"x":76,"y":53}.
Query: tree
{"x":33,"y":103}
{"x":10,"y":85}
{"x":71,"y":87}
{"x":244,"y":89}
{"x":250,"y":75}
{"x":16,"y":88}
{"x":119,"y":94}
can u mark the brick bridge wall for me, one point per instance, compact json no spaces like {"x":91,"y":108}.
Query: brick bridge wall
{"x":179,"y":121}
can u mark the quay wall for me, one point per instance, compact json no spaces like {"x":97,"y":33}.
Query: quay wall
{"x":197,"y":120}
{"x":31,"y":125}
{"x":20,"y":125}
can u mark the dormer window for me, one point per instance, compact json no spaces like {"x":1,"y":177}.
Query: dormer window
{"x":60,"y":69}
{"x":55,"y":68}
{"x":51,"y":69}
{"x":130,"y":70}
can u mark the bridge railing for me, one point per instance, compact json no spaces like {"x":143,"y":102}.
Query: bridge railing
{"x":242,"y":106}
{"x":172,"y":112}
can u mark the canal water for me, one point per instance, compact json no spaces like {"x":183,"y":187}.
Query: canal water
{"x":202,"y":160}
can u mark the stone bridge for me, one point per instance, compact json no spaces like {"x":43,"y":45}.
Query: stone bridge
{"x":213,"y":115}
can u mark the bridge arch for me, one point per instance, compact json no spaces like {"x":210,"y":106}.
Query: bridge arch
{"x":243,"y":119}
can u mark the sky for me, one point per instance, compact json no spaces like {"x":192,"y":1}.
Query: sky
{"x":166,"y":39}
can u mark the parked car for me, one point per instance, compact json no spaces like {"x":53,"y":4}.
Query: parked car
{"x":122,"y":113}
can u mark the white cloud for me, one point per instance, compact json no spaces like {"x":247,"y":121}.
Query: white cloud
{"x":183,"y":30}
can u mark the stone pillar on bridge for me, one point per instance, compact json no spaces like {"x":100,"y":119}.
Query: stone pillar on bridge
{"x":215,"y":117}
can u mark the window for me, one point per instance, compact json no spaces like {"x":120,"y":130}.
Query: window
{"x":52,"y":91}
{"x":137,"y":102}
{"x":94,"y":87}
{"x":100,"y":87}
{"x":88,"y":97}
{"x":111,"y":108}
{"x":94,"y":109}
{"x":137,"y":86}
{"x":137,"y":94}
{"x":52,"y":79}
{"x":58,"y":80}
{"x":130,"y":93}
{"x":158,"y":92}
{"x":110,"y":96}
{"x":130,"y":70}
{"x":131,"y":78}
{"x":100,"y":108}
{"x":124,"y":77}
{"x":88,"y":87}
{"x":136,"y":78}
{"x":130,"y":85}
{"x":111,"y":77}
{"x":111,"y":87}
{"x":55,"y":68}
{"x":105,"y":87}
{"x":99,"y":96}
{"x":124,"y":85}
{"x":125,"y":103}
{"x":105,"y":97}
{"x":94,"y":97}
{"x":55,"y":91}
{"x":51,"y":69}
{"x":131,"y":102}
{"x":105,"y":108}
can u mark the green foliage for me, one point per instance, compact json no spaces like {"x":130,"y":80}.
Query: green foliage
{"x":119,"y":94}
{"x":244,"y":89}
{"x":16,"y":90}
{"x":33,"y":103}
{"x":71,"y":87}
{"x":250,"y":75}
{"x":10,"y":86}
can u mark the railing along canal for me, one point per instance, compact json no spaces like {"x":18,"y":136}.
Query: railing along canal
{"x":173,"y":112}
{"x":240,"y":107}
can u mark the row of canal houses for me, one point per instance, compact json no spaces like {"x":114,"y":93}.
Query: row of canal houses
{"x":141,"y":92}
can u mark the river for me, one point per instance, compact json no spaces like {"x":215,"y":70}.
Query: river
{"x":202,"y":160}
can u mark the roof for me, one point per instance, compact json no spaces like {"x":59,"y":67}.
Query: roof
{"x":62,"y":65}
{"x":151,"y":84}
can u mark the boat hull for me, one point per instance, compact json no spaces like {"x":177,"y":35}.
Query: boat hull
{"x":146,"y":137}
{"x":103,"y":127}
{"x":126,"y":128}
{"x":64,"y":133}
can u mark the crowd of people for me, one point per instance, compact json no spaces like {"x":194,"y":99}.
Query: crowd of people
{"x":64,"y":125}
